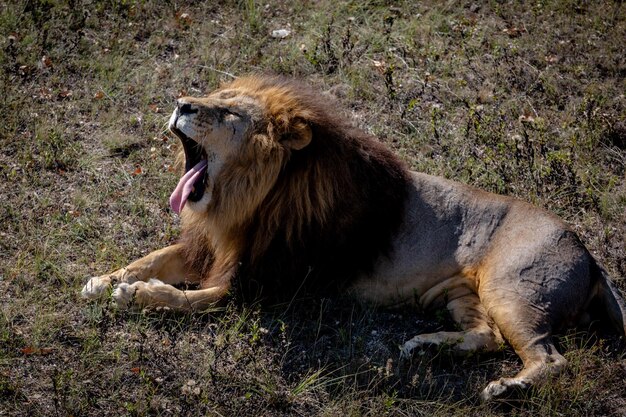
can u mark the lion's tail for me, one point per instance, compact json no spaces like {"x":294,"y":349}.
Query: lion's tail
{"x":610,"y":299}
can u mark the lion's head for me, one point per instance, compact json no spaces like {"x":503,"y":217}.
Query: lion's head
{"x":235,"y":141}
{"x":278,"y":180}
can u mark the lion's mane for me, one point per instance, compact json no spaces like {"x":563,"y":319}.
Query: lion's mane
{"x":310,"y":219}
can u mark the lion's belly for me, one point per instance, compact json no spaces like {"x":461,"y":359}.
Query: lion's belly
{"x":405,"y":279}
{"x":390,"y":290}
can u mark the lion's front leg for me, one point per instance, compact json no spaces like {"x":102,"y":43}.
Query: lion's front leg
{"x":155,"y":293}
{"x":166,"y":265}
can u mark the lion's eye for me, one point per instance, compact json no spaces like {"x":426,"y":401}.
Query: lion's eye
{"x":231,"y":117}
{"x":228,"y":114}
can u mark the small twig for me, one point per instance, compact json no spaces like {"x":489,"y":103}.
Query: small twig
{"x":299,"y":288}
{"x":219,"y":71}
{"x":108,"y":96}
{"x":531,"y":106}
{"x":412,"y":125}
{"x":531,"y":65}
{"x":187,"y":300}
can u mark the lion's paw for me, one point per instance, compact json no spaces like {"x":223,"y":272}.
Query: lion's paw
{"x":503,"y":387}
{"x":123,"y":295}
{"x":96,"y":288}
{"x":137,"y":294}
{"x":406,"y":350}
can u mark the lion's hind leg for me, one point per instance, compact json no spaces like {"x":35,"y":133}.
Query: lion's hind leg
{"x":478,"y":332}
{"x":529,"y":332}
{"x":541,"y":360}
{"x":532,"y":285}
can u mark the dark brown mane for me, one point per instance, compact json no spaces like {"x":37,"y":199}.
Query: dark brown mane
{"x":332,"y":212}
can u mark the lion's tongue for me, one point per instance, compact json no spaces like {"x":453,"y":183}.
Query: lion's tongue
{"x":185,"y":185}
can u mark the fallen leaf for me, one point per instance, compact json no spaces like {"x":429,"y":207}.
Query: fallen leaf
{"x":46,"y":61}
{"x":135,"y":370}
{"x":514,"y":31}
{"x":65,"y":93}
{"x":551,"y":59}
{"x":183,"y":19}
{"x":25,"y":70}
{"x":137,"y":171}
{"x":29,"y":350}
{"x":380,"y":66}
{"x":527,"y":118}
{"x":532,"y":120}
{"x":45,"y":93}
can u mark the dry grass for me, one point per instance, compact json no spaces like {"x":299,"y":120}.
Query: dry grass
{"x":519,"y":99}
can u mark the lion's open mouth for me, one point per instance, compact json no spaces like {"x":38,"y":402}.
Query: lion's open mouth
{"x":192,"y":185}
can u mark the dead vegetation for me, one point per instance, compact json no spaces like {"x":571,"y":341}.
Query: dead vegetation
{"x":522,"y":99}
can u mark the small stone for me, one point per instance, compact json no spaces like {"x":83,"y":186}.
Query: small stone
{"x":280,"y":33}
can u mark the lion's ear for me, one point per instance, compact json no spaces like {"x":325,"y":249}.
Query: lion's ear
{"x":298,"y":135}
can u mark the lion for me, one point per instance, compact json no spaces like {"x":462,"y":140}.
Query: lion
{"x":281,"y":194}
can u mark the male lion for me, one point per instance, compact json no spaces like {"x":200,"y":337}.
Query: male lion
{"x":281,"y":194}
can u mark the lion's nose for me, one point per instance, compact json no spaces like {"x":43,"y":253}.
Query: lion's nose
{"x":185,"y":108}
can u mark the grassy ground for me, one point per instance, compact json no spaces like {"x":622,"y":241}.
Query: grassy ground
{"x":517,"y":98}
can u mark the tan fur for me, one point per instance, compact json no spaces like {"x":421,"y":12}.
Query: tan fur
{"x":293,"y":188}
